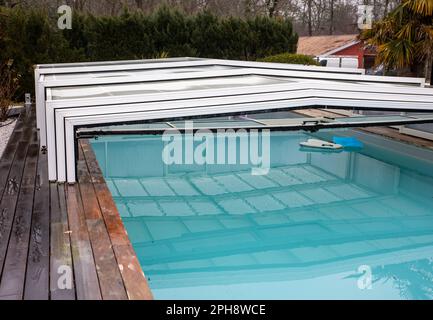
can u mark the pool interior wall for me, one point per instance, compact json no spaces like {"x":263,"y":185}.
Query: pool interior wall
{"x":350,"y":225}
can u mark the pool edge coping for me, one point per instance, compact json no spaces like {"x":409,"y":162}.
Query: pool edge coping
{"x":134,"y":279}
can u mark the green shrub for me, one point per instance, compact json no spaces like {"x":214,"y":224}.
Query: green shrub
{"x":291,"y":58}
{"x":31,"y":38}
{"x":8,"y":86}
{"x":206,"y":35}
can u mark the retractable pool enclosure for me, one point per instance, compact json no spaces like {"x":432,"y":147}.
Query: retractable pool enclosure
{"x":71,"y":97}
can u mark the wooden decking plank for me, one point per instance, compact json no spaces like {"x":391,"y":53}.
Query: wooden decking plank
{"x":8,"y":155}
{"x":48,"y":231}
{"x":48,"y":227}
{"x":60,"y":246}
{"x":7,"y":160}
{"x":110,"y":279}
{"x":14,"y":270}
{"x":134,"y":280}
{"x":17,"y":139}
{"x":9,"y":201}
{"x":38,"y":264}
{"x":19,"y":126}
{"x":86,"y":277}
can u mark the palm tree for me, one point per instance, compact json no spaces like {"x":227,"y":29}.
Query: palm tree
{"x":404,"y":38}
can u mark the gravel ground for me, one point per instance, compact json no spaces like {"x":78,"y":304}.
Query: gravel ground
{"x":6,"y":129}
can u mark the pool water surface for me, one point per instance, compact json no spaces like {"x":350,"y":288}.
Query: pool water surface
{"x":319,"y":225}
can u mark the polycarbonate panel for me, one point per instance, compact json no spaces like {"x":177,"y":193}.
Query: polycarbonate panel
{"x":209,"y":123}
{"x":134,"y":73}
{"x":86,"y":75}
{"x":139,"y":126}
{"x":79,"y":92}
{"x":373,"y":118}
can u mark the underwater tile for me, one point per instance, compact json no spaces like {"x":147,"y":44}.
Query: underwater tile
{"x":270,"y":218}
{"x":166,"y":229}
{"x":176,"y":208}
{"x":271,"y":257}
{"x":129,"y":188}
{"x":374,"y":209}
{"x":140,"y":208}
{"x":234,"y":222}
{"x":236,"y":206}
{"x":137,"y":231}
{"x":293,"y":199}
{"x":319,"y":195}
{"x":204,"y":207}
{"x":347,"y":191}
{"x":156,"y":187}
{"x":264,"y":203}
{"x":258,"y":182}
{"x":303,"y":175}
{"x":181,"y":187}
{"x":232,"y":183}
{"x":406,"y":207}
{"x":202,"y":225}
{"x":207,"y":186}
{"x":278,"y":176}
{"x":341,"y":212}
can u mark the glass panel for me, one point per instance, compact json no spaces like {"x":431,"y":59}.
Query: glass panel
{"x":217,"y":123}
{"x":162,"y":86}
{"x":135,"y":73}
{"x":139,"y":126}
{"x":372,"y":119}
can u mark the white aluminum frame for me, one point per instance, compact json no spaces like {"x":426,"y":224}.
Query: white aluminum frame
{"x":313,"y":89}
{"x":219,"y":105}
{"x":50,"y":105}
{"x":83,"y":68}
{"x":225,"y":95}
{"x":71,"y":122}
{"x":150,"y":64}
{"x":44,"y":112}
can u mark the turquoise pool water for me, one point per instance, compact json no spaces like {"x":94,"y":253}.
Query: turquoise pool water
{"x":319,"y":225}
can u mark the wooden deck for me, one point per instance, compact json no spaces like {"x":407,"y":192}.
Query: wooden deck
{"x":61,"y":241}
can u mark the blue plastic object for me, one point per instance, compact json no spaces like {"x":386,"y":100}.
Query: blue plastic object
{"x":348,"y":142}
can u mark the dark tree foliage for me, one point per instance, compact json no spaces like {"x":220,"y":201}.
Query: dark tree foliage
{"x":29,"y":38}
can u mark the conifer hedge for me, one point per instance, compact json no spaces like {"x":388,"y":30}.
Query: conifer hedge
{"x":291,"y":58}
{"x":32,"y":37}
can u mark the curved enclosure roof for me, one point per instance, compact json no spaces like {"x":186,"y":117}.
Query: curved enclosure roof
{"x":72,"y":96}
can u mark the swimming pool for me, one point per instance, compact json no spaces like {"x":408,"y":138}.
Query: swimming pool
{"x":319,"y":225}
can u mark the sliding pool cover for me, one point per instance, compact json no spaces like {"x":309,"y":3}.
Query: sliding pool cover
{"x":355,"y":224}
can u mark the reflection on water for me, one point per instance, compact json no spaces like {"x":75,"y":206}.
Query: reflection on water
{"x":300,"y":231}
{"x":413,"y":279}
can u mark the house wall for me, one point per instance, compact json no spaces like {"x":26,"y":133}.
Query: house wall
{"x":355,"y":50}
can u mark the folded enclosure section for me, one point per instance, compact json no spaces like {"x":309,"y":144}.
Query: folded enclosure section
{"x":71,"y":97}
